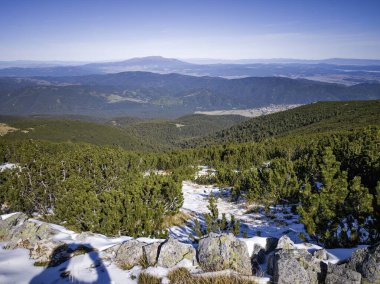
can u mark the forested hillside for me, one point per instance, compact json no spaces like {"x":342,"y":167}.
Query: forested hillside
{"x":308,"y":119}
{"x":172,"y":133}
{"x":151,"y":95}
{"x":127,"y":132}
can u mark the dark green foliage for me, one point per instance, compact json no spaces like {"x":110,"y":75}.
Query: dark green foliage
{"x":314,"y":118}
{"x":88,"y":187}
{"x":223,"y":224}
{"x":336,"y":207}
{"x":128,"y":133}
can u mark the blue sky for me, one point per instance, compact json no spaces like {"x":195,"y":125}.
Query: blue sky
{"x":97,"y":30}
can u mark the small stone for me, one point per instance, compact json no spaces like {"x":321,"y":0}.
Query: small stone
{"x":285,"y":243}
{"x":321,"y":254}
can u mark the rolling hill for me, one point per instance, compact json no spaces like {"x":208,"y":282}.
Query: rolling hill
{"x":127,"y":132}
{"x":143,"y":94}
{"x":319,"y":117}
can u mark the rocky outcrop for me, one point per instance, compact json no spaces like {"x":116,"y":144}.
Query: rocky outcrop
{"x":173,"y":252}
{"x":28,"y":234}
{"x":367,"y":262}
{"x":45,"y":252}
{"x":340,"y":274}
{"x":218,"y":252}
{"x":215,"y":252}
{"x":8,"y":225}
{"x":295,"y":266}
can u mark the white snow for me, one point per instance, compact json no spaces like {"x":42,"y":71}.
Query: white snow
{"x":261,"y":241}
{"x":6,"y":216}
{"x":277,"y":222}
{"x":7,"y":166}
{"x":14,"y":261}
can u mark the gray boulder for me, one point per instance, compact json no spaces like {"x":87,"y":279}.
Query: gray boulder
{"x":46,"y":252}
{"x":340,"y":274}
{"x":8,"y":225}
{"x":28,"y":234}
{"x":295,"y":266}
{"x":129,"y":254}
{"x":367,"y":262}
{"x":150,"y":252}
{"x":173,"y":251}
{"x":285,"y":243}
{"x":219,"y":252}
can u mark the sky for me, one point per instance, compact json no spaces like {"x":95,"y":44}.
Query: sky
{"x":100,"y":30}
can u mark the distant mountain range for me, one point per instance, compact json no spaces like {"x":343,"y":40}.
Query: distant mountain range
{"x":145,"y":94}
{"x":338,"y":70}
{"x":334,"y":61}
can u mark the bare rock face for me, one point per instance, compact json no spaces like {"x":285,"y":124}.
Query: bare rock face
{"x":367,"y":262}
{"x":219,"y":252}
{"x":172,"y":252}
{"x":340,"y":274}
{"x":130,"y":254}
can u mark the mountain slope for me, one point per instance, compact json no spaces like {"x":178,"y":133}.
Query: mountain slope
{"x":73,"y":131}
{"x":171,"y":133}
{"x":308,"y":119}
{"x":127,"y":132}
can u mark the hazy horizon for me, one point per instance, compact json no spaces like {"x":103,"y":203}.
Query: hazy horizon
{"x":200,"y":59}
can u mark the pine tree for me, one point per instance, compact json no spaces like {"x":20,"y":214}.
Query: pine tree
{"x":223,"y":223}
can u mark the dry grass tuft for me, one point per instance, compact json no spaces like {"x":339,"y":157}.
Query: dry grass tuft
{"x":183,"y":276}
{"x":176,"y":220}
{"x":145,"y":278}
